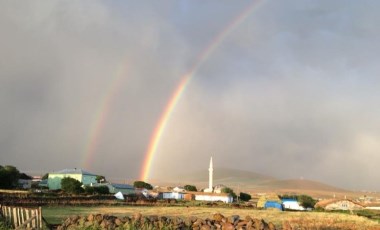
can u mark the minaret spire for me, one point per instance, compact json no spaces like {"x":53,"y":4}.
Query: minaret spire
{"x":210,"y":174}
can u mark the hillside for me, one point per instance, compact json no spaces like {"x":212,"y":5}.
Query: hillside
{"x":298,"y":185}
{"x":241,"y":180}
{"x":226,"y":175}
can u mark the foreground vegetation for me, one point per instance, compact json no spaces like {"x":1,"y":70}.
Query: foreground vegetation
{"x":295,"y":220}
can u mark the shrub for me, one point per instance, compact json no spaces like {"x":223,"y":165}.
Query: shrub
{"x":72,"y":186}
{"x":190,"y":188}
{"x":142,"y":184}
{"x":245,"y":196}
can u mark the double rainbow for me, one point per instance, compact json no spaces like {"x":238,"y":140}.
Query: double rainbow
{"x":185,"y":79}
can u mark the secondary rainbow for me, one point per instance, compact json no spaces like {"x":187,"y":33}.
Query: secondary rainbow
{"x":100,"y":117}
{"x":185,"y":79}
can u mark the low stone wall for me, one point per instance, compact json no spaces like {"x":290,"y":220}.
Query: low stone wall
{"x":138,"y":221}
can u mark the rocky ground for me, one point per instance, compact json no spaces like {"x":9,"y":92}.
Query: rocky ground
{"x":138,"y":221}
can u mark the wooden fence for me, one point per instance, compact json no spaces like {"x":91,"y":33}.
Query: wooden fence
{"x":22,"y":218}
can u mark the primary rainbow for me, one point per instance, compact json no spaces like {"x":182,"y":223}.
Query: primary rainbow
{"x":100,"y":117}
{"x":163,"y":121}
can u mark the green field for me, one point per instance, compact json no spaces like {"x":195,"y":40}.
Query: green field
{"x":309,"y":220}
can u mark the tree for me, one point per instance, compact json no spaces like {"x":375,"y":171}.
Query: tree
{"x":96,"y":190}
{"x":142,"y":184}
{"x":72,"y":186}
{"x":189,"y":187}
{"x":9,"y":176}
{"x":306,"y":201}
{"x":244,"y":196}
{"x":25,"y":176}
{"x":229,"y":191}
{"x":100,"y":179}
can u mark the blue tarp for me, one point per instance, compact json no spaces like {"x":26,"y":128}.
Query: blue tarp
{"x":273,"y":204}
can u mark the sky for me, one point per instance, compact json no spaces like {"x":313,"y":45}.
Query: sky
{"x":291,"y":91}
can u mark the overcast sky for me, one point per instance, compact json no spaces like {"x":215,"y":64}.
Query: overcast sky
{"x":292,"y":91}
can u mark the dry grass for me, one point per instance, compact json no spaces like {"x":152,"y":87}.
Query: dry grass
{"x":296,"y":220}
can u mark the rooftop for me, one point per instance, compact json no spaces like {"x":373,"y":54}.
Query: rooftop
{"x":74,"y":171}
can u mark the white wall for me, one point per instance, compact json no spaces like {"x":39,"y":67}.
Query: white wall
{"x":204,"y":197}
{"x":293,"y":205}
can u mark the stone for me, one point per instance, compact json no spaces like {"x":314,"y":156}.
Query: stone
{"x":205,"y":227}
{"x":228,"y":226}
{"x":118,"y":222}
{"x":137,"y":216}
{"x":218,"y":217}
{"x":271,"y":226}
{"x":90,"y":217}
{"x":99,"y":218}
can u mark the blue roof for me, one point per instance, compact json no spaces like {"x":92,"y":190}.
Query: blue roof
{"x":123,"y":186}
{"x":273,"y":204}
{"x":75,"y":171}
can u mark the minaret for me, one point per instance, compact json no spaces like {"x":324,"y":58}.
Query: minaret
{"x":210,"y":172}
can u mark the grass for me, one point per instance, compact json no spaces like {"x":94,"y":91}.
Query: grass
{"x":304,"y":220}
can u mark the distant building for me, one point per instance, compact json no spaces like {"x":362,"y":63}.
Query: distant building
{"x":204,"y":196}
{"x":218,"y":188}
{"x":25,"y":183}
{"x":338,"y":204}
{"x":292,"y":204}
{"x":274,"y":204}
{"x":171,"y":195}
{"x":373,"y":206}
{"x":179,"y":189}
{"x":267,"y":197}
{"x":55,"y":178}
{"x":125,"y":189}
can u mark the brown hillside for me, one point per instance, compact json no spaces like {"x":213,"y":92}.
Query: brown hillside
{"x":299,"y":185}
{"x":227,"y":175}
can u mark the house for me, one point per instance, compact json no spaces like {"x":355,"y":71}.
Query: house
{"x":264,"y":198}
{"x":25,"y":183}
{"x":43,"y":184}
{"x":218,"y":188}
{"x":292,"y":204}
{"x":338,"y":204}
{"x":373,"y":206}
{"x":274,"y":204}
{"x":55,"y":178}
{"x":125,"y":189}
{"x":171,"y":195}
{"x":202,"y":196}
{"x":179,"y":189}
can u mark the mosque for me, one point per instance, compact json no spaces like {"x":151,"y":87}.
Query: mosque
{"x":218,"y":188}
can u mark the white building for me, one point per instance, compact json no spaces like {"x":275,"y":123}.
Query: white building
{"x":212,"y":197}
{"x":292,"y":204}
{"x":171,"y":195}
{"x":179,"y":189}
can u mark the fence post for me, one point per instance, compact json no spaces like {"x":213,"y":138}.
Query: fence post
{"x":34,"y":219}
{"x":40,"y":216}
{"x":22,"y":216}
{"x":14,"y":217}
{"x":27,"y":216}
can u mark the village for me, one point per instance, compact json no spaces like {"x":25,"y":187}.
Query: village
{"x":27,"y":203}
{"x":213,"y":193}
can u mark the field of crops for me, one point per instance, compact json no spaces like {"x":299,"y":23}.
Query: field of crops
{"x":305,"y":220}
